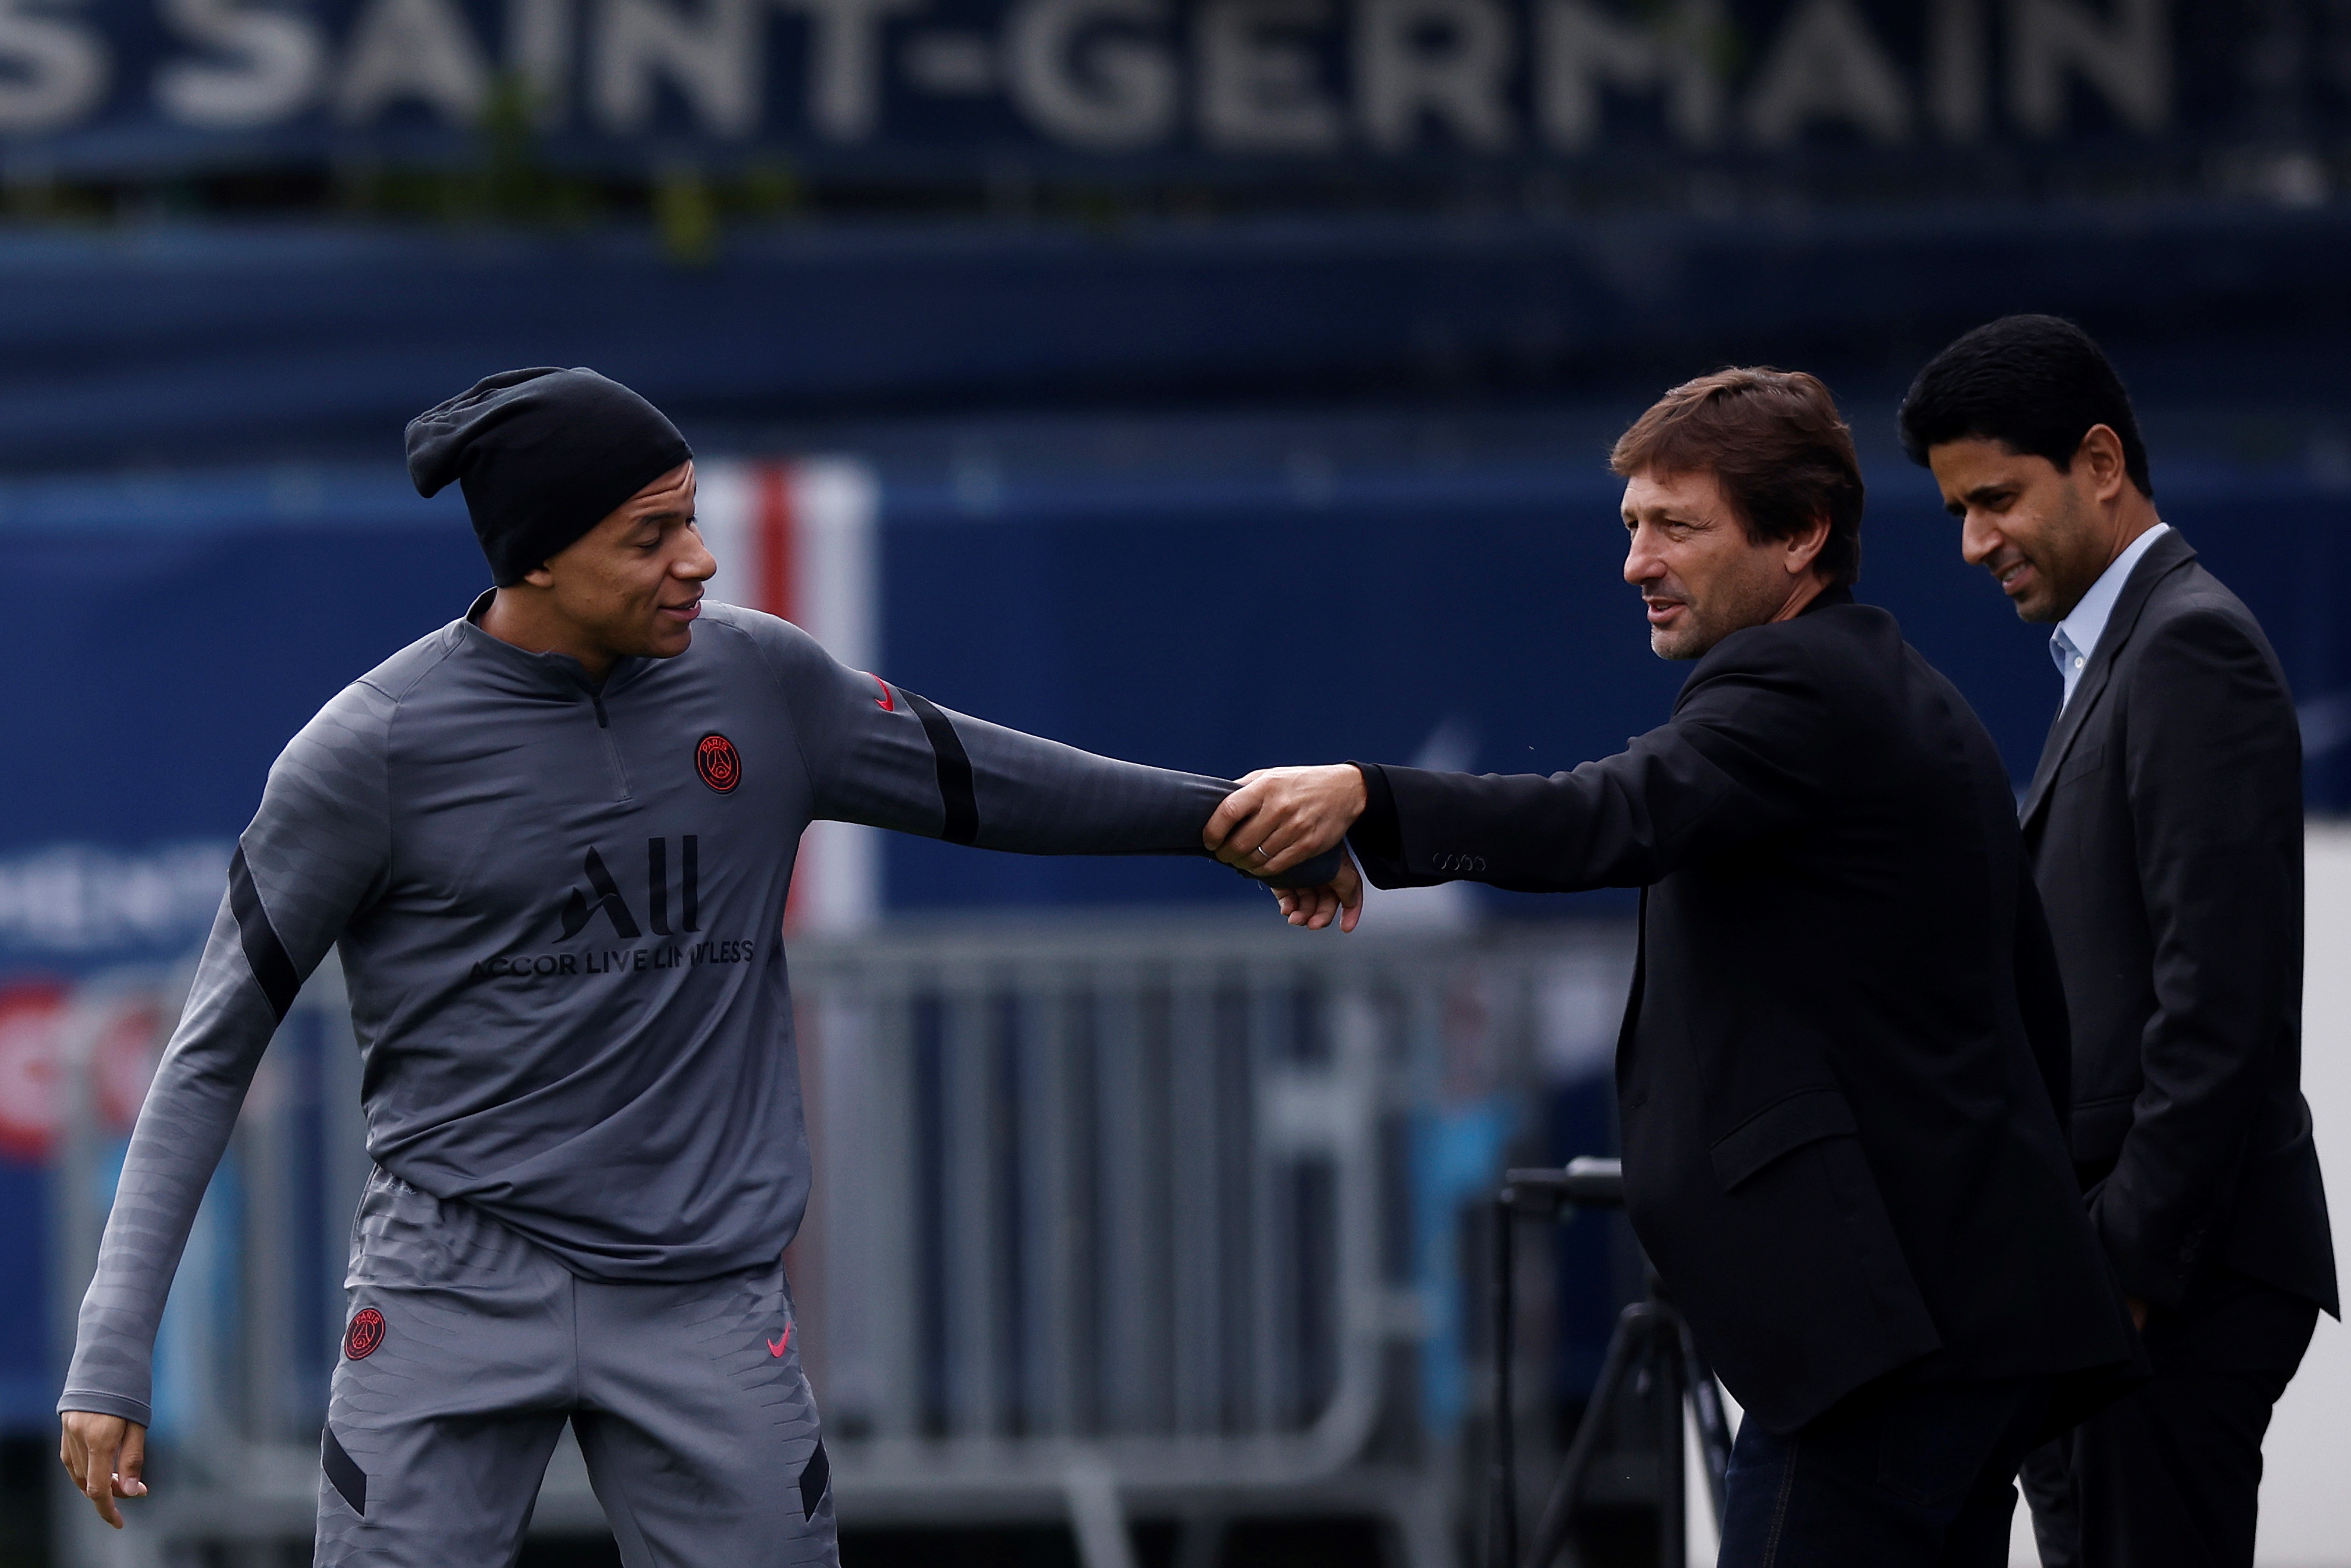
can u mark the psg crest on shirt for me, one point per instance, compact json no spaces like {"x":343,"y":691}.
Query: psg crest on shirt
{"x":718,"y":763}
{"x":365,"y":1333}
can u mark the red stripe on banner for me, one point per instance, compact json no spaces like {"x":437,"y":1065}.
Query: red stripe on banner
{"x":772,"y":540}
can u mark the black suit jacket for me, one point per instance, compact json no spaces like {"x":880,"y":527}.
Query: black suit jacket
{"x":1842,"y":1148}
{"x":2164,"y":826}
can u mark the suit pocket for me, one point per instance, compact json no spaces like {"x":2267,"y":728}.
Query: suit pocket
{"x":1780,"y":1128}
{"x":2084,"y":761}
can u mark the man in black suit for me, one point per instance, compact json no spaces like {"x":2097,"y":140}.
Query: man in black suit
{"x":2164,"y":828}
{"x":1841,"y":1147}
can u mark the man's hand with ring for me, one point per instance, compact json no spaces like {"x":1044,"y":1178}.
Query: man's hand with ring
{"x":1280,"y":816}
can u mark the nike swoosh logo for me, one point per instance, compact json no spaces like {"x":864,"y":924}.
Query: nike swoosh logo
{"x":776,"y":1346}
{"x":886,"y":702}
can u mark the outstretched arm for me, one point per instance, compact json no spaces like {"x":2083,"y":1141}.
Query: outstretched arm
{"x":881,"y":755}
{"x":1741,"y":757}
{"x":314,"y":853}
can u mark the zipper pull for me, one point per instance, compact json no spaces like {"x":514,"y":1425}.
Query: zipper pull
{"x":601,"y":722}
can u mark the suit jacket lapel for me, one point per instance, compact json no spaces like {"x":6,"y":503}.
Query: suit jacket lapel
{"x":2164,"y":557}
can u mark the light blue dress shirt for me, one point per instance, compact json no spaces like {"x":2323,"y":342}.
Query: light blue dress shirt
{"x":2076,"y":637}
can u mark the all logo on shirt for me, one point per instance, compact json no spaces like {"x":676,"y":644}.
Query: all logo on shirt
{"x":365,"y":1333}
{"x":718,"y":763}
{"x":604,"y":903}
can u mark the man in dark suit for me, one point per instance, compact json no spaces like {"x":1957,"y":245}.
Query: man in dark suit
{"x":2164,"y":828}
{"x":1842,"y":1148}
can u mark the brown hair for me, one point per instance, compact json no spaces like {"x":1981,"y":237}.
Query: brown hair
{"x":1774,"y":441}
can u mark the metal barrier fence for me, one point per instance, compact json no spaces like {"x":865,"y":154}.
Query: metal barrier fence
{"x":1109,"y":1221}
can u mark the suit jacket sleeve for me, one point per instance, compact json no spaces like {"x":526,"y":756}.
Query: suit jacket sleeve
{"x":2213,"y":780}
{"x":1745,"y":756}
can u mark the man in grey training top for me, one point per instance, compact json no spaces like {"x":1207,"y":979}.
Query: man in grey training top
{"x":553,"y":841}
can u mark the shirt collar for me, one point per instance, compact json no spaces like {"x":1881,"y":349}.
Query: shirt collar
{"x":2076,"y":637}
{"x":551,"y":673}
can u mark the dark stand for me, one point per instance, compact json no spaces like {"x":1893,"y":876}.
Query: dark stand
{"x":1651,"y":1354}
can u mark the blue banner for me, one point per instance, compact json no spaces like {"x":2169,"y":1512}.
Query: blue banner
{"x":991,"y":88}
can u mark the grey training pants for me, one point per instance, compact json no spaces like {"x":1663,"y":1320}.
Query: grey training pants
{"x":467,"y":1349}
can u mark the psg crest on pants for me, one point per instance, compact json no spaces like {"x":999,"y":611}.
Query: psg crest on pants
{"x":718,"y":763}
{"x":365,"y":1333}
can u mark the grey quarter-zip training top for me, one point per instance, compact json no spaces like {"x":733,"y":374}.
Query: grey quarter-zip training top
{"x":560,"y":909}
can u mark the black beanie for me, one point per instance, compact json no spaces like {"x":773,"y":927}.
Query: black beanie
{"x":543,"y":455}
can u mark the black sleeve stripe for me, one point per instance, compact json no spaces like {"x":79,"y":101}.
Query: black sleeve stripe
{"x":263,"y":951}
{"x":815,"y":1476}
{"x":954,"y":771}
{"x":343,"y":1472}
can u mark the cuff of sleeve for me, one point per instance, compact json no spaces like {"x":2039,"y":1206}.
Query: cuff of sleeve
{"x":1323,"y":868}
{"x":1377,"y":831}
{"x":105,"y":1404}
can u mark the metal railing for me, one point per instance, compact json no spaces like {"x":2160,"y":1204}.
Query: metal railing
{"x":1108,"y":1221}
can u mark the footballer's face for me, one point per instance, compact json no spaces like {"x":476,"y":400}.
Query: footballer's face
{"x":631,"y":586}
{"x":2041,"y":533}
{"x":1700,"y":577}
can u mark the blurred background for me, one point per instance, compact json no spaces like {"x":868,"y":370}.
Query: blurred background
{"x":1211,"y":382}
